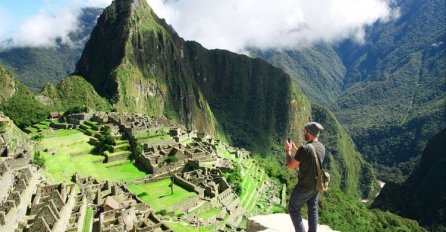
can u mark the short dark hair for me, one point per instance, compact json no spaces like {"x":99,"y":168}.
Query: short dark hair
{"x":313,"y":128}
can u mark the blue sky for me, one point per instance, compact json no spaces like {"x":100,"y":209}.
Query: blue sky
{"x":14,"y":12}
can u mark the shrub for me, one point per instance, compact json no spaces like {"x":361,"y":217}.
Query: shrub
{"x":171,"y":159}
{"x":39,"y":160}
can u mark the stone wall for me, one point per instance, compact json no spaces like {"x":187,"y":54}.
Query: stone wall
{"x":18,"y":163}
{"x":188,"y":185}
{"x":112,"y":158}
{"x":187,"y":204}
{"x":7,"y":180}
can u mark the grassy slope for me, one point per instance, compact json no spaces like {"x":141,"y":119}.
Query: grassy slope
{"x":345,"y":213}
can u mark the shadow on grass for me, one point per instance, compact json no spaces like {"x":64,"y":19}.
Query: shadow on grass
{"x":143,"y":194}
{"x":166,"y":195}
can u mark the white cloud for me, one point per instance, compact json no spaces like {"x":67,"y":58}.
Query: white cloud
{"x":277,"y":24}
{"x":227,"y":24}
{"x":44,"y":28}
{"x":54,"y":22}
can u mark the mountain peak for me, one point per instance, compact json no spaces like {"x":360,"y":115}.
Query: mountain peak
{"x":140,"y":64}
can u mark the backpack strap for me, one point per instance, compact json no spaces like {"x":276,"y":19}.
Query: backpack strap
{"x":316,"y":158}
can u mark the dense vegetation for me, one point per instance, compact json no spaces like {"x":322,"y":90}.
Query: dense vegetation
{"x":396,"y":83}
{"x":18,"y":103}
{"x":345,"y":213}
{"x":318,"y":70}
{"x":36,"y":66}
{"x":27,"y":108}
{"x":423,"y":195}
{"x":71,"y":93}
{"x":388,"y":92}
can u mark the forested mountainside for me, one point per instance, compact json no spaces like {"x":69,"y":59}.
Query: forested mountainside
{"x":423,"y":195}
{"x":37,"y":66}
{"x":389,"y":92}
{"x":318,"y":70}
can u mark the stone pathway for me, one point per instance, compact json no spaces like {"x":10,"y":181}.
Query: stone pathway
{"x":278,"y":223}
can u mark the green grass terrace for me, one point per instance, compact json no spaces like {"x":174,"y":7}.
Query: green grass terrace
{"x":158,"y":195}
{"x":72,"y":154}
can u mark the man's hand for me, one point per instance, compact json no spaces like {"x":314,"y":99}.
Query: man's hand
{"x":290,"y":162}
{"x":293,"y":147}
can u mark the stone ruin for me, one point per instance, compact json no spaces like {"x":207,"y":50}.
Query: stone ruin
{"x":154,"y":157}
{"x":130,"y":124}
{"x":28,"y":203}
{"x":78,"y":118}
{"x":178,"y":134}
{"x":17,"y":187}
{"x":203,"y":151}
{"x":211,"y":186}
{"x":116,"y":208}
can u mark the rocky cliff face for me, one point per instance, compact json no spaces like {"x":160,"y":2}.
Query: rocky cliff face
{"x":140,"y":64}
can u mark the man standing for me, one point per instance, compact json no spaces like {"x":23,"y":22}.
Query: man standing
{"x":305,"y":191}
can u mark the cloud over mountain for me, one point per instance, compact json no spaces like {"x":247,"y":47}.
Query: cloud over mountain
{"x":51,"y":24}
{"x":231,"y":24}
{"x":238,"y":24}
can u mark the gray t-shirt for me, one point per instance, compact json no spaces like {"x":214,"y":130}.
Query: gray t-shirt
{"x":307,"y":167}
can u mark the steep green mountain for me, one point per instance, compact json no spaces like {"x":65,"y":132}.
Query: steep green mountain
{"x":140,"y":64}
{"x":36,"y":66}
{"x":423,"y":195}
{"x":318,"y":70}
